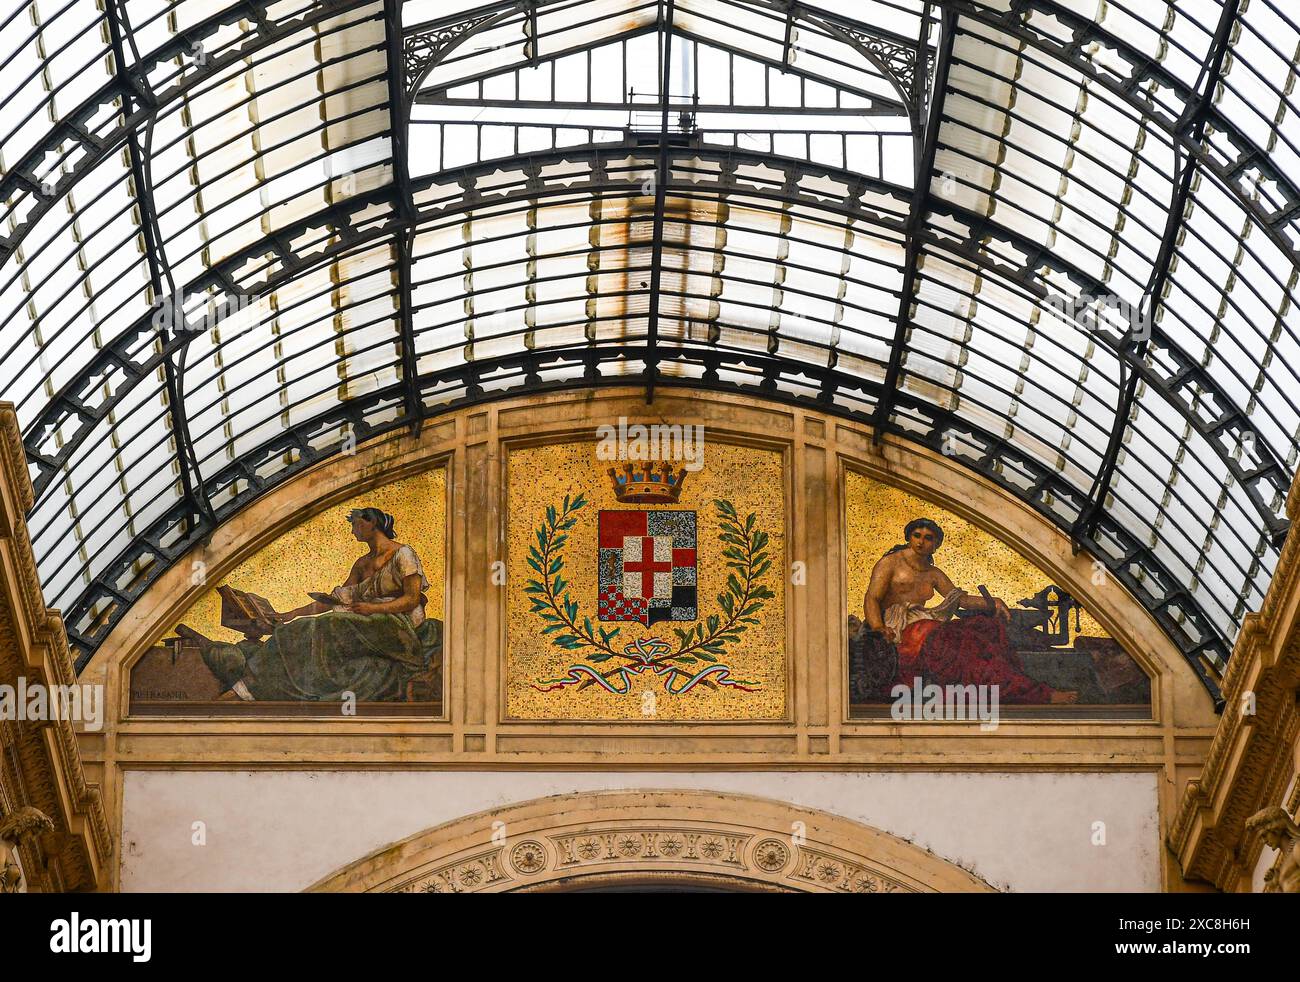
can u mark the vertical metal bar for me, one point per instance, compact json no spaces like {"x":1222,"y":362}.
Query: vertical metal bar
{"x":661,"y":194}
{"x":916,"y":214}
{"x":532,"y":26}
{"x":399,"y":114}
{"x":789,"y":33}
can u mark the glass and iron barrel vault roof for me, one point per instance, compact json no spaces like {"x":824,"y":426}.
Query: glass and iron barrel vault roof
{"x":1053,"y":239}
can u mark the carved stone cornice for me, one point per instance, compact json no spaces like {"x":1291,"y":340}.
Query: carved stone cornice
{"x":661,"y":836}
{"x":1250,"y":758}
{"x":23,"y":824}
{"x":40,"y":764}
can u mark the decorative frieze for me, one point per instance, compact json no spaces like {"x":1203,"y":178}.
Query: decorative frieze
{"x":602,"y":838}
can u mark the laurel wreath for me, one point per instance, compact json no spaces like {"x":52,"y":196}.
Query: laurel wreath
{"x":746,"y":593}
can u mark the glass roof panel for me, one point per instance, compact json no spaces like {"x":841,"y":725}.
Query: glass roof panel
{"x":1090,"y":298}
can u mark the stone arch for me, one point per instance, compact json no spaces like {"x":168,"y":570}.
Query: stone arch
{"x":693,"y":839}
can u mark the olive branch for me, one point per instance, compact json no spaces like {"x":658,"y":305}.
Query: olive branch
{"x":744,"y":595}
{"x":561,"y":613}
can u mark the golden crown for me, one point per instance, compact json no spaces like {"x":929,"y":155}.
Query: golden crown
{"x":648,"y":484}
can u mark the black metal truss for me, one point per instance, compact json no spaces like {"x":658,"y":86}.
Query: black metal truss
{"x":919,"y":208}
{"x":878,"y":106}
{"x":344,"y":221}
{"x":160,"y":275}
{"x":1190,"y":375}
{"x":979,"y":241}
{"x":666,"y":11}
{"x":1200,"y":100}
{"x":975,"y":246}
{"x":895,"y":56}
{"x":926,"y":68}
{"x":399,"y":115}
{"x":71,"y":135}
{"x":136,"y":363}
{"x":897,"y":60}
{"x":900,"y":60}
{"x":427,"y":98}
{"x":1047,"y":492}
{"x":425,"y":47}
{"x":1192,"y":125}
{"x":1013,"y":23}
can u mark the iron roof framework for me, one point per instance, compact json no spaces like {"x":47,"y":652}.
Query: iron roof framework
{"x":225,"y":257}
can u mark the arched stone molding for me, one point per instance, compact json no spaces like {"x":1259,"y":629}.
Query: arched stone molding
{"x":635,"y":838}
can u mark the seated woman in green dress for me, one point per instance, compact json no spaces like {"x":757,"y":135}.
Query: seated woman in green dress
{"x":364,"y":641}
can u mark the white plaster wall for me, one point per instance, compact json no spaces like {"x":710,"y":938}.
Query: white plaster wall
{"x":284,"y":830}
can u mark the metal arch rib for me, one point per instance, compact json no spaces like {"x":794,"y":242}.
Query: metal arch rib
{"x":64,"y":405}
{"x":160,"y":275}
{"x":921,"y":197}
{"x":891,"y":54}
{"x":1195,"y":117}
{"x":1013,"y":26}
{"x":1045,"y":481}
{"x":994,"y":458}
{"x":422,"y":51}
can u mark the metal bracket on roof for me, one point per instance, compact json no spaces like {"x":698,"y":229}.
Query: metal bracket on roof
{"x":422,"y":51}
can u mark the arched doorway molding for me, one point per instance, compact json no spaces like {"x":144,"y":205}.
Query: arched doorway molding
{"x":617,"y":839}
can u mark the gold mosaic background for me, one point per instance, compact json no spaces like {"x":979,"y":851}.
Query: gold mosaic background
{"x":318,"y":554}
{"x":875,"y":515}
{"x":752,"y":479}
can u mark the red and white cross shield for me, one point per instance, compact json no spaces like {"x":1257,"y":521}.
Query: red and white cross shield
{"x":647,"y":566}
